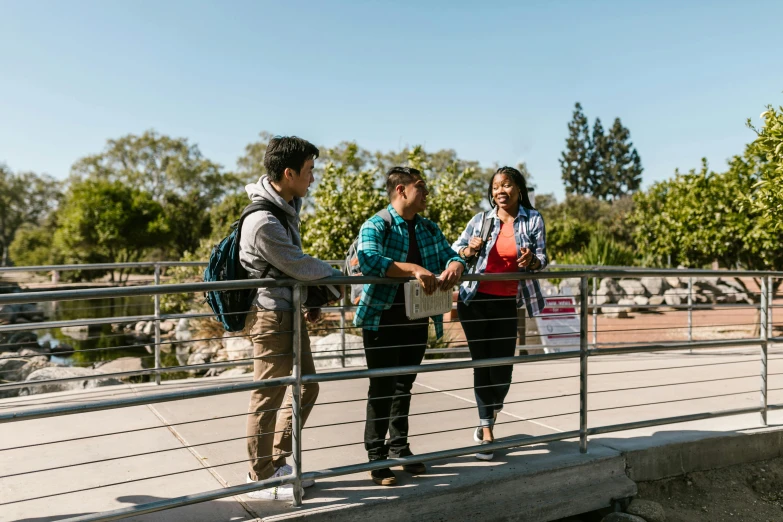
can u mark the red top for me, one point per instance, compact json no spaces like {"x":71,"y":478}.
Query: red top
{"x":502,"y":258}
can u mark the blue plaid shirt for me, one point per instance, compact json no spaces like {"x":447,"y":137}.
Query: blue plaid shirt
{"x":529,"y":233}
{"x":379,"y":248}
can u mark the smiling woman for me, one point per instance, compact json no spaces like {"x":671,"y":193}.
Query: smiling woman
{"x":509,"y":238}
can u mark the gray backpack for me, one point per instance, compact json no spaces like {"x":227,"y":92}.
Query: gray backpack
{"x":351,"y":267}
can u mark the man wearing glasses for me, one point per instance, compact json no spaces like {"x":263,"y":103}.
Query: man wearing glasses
{"x":408,"y":246}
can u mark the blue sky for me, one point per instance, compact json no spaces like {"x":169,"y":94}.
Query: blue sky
{"x":495,"y":81}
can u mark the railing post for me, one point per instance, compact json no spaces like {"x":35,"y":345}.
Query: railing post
{"x":690,"y":310}
{"x":296,"y":403}
{"x":157,"y":326}
{"x":595,"y":312}
{"x":770,"y":308}
{"x":345,"y":300}
{"x":763,"y":317}
{"x":583,"y":364}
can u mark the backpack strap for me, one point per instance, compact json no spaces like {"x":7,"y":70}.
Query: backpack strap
{"x":268,"y":206}
{"x":386,"y":216}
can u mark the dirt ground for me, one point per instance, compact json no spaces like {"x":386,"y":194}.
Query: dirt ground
{"x":743,"y":493}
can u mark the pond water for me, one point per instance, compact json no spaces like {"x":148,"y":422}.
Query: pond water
{"x":100,"y":342}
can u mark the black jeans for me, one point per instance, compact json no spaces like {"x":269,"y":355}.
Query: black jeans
{"x":390,"y":346}
{"x":490,"y":325}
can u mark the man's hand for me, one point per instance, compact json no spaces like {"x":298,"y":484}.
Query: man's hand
{"x":427,"y":280}
{"x":313,"y":314}
{"x":451,"y":275}
{"x":525,"y":257}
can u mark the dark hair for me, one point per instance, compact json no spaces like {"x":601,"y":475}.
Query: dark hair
{"x":400,"y":176}
{"x":519,"y":181}
{"x":287,"y":152}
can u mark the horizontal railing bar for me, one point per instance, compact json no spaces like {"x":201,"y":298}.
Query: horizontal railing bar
{"x":27,"y":297}
{"x":333,"y":472}
{"x":673,"y":420}
{"x":152,"y":398}
{"x":435,"y":367}
{"x":282,"y":381}
{"x":729,"y":343}
{"x":678,"y":307}
{"x":75,"y":322}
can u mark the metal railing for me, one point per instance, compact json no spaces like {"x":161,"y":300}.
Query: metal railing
{"x":296,"y":380}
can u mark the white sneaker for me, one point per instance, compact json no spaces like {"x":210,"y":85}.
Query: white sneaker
{"x":478,"y":435}
{"x":287,"y":470}
{"x":283,"y":492}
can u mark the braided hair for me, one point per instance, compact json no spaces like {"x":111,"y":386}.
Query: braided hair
{"x":519,"y":181}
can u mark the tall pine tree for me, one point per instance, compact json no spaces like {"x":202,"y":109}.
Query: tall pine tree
{"x":575,"y":160}
{"x":598,"y":160}
{"x":623,"y":166}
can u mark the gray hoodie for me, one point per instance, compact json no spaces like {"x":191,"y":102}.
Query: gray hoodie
{"x":264,"y":238}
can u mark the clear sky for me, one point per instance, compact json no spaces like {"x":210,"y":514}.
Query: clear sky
{"x":496,"y":81}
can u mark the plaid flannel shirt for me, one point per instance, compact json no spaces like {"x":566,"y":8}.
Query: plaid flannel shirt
{"x":529,"y":233}
{"x":379,"y":248}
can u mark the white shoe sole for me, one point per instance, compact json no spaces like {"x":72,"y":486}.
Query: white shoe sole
{"x":285,"y":492}
{"x":485,"y":456}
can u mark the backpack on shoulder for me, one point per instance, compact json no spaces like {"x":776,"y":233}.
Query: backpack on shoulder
{"x":232,"y":306}
{"x":351,"y":266}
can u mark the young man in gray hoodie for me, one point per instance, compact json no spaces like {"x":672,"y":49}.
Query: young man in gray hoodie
{"x":265,"y":240}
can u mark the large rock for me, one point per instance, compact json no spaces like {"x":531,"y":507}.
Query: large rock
{"x":11,"y":368}
{"x":327,"y":351}
{"x":647,"y":509}
{"x":728,"y":294}
{"x":123,"y":364}
{"x":78,"y":333}
{"x":167,"y":326}
{"x":675,"y":296}
{"x":627,"y":304}
{"x":62,"y":372}
{"x":656,"y":300}
{"x":608,"y":292}
{"x":654,"y":285}
{"x":641,"y":300}
{"x":237,"y":347}
{"x":632,"y":287}
{"x":614,"y":312}
{"x":676,"y":282}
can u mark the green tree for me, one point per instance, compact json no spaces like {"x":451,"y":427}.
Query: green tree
{"x":700,"y":217}
{"x":158,"y":165}
{"x":25,"y":198}
{"x":768,"y":194}
{"x":621,"y":172}
{"x":250,"y":166}
{"x":344,"y":198}
{"x":33,"y":246}
{"x":576,"y":159}
{"x":109,"y":221}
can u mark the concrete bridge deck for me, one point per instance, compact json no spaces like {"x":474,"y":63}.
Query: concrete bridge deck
{"x":533,"y":477}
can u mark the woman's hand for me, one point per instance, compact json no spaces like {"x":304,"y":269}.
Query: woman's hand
{"x":474,"y":245}
{"x":525,"y":257}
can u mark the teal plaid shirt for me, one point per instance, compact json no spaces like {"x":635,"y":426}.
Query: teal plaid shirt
{"x":379,"y":248}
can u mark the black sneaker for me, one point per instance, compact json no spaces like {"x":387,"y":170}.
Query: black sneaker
{"x":383,"y":477}
{"x":414,"y":469}
{"x":485,"y":455}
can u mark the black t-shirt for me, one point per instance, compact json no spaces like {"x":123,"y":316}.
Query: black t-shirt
{"x":396,"y":314}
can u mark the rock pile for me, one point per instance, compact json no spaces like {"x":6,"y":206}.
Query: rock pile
{"x":629,"y":295}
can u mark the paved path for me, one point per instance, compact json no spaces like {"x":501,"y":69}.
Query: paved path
{"x":535,"y":406}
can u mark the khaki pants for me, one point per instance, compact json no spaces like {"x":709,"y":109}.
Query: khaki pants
{"x":269,"y":427}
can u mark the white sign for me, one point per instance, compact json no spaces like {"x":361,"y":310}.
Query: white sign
{"x":558,"y":324}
